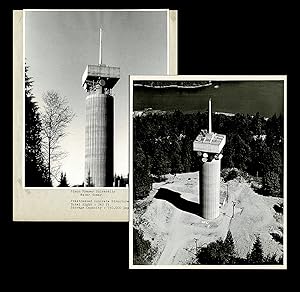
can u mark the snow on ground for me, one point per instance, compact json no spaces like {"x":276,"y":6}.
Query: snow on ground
{"x":174,"y":229}
{"x":257,"y":219}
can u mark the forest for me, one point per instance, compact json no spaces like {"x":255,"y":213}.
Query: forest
{"x":163,"y":143}
{"x":219,"y":252}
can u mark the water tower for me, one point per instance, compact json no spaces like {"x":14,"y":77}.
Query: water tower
{"x":208,"y":146}
{"x":98,"y":81}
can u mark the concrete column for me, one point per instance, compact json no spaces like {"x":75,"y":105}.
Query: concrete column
{"x":209,"y":191}
{"x":99,"y":138}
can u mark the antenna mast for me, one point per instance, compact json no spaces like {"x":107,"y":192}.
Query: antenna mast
{"x":100,"y":47}
{"x":209,"y":116}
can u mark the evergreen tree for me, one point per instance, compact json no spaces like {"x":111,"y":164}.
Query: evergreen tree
{"x":213,"y":254}
{"x":229,"y":251}
{"x":258,"y":151}
{"x":115,"y":180}
{"x":240,"y":126}
{"x":272,"y":161}
{"x":241,"y":156}
{"x":256,"y":257}
{"x":175,"y":156}
{"x":256,"y":125}
{"x":219,"y":252}
{"x":141,"y":176}
{"x":228,"y":152}
{"x":274,"y":132}
{"x":186,"y":157}
{"x":271,"y":184}
{"x":271,"y":260}
{"x":89,"y":180}
{"x":178,"y":121}
{"x":63,"y":180}
{"x":142,"y":251}
{"x":122,"y":181}
{"x":232,"y":174}
{"x":161,"y":164}
{"x":35,"y":170}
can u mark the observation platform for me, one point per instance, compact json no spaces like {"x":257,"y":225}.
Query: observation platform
{"x":94,"y":73}
{"x":209,"y":142}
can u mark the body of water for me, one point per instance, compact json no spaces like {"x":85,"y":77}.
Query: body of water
{"x":248,"y":97}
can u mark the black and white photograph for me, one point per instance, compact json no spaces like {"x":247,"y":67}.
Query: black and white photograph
{"x":71,"y":107}
{"x":208,"y":165}
{"x":76,"y":92}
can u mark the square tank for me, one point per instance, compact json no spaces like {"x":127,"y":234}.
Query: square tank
{"x":209,"y":142}
{"x":95,"y":72}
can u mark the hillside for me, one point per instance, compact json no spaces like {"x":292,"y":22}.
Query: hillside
{"x":168,"y":219}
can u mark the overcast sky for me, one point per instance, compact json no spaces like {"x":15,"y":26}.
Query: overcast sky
{"x":59,"y":45}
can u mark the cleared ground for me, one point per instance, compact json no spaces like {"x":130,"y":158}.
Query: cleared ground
{"x":169,"y":220}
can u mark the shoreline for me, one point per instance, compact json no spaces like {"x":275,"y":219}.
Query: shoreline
{"x":172,"y":86}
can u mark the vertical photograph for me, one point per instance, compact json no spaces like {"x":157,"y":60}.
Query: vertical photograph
{"x":76,"y":102}
{"x":208,"y":164}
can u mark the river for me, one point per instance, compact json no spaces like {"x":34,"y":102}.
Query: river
{"x":248,"y":97}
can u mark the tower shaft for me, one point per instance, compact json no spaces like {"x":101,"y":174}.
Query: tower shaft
{"x":99,"y":138}
{"x":209,"y":187}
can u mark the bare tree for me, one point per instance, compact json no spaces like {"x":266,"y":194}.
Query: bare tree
{"x":56,"y":117}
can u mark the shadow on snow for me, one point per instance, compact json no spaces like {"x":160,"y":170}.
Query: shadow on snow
{"x":179,"y":202}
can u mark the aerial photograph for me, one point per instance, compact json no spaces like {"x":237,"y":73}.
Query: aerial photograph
{"x":208,"y":172}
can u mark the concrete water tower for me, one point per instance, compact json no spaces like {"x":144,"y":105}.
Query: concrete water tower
{"x":209,"y":146}
{"x":98,"y":81}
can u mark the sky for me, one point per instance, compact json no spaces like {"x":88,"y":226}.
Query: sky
{"x":59,"y":45}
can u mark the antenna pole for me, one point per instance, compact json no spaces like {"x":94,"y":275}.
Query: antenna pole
{"x":100,"y":47}
{"x":209,"y":116}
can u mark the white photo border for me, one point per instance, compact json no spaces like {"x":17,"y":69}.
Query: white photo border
{"x":208,"y":78}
